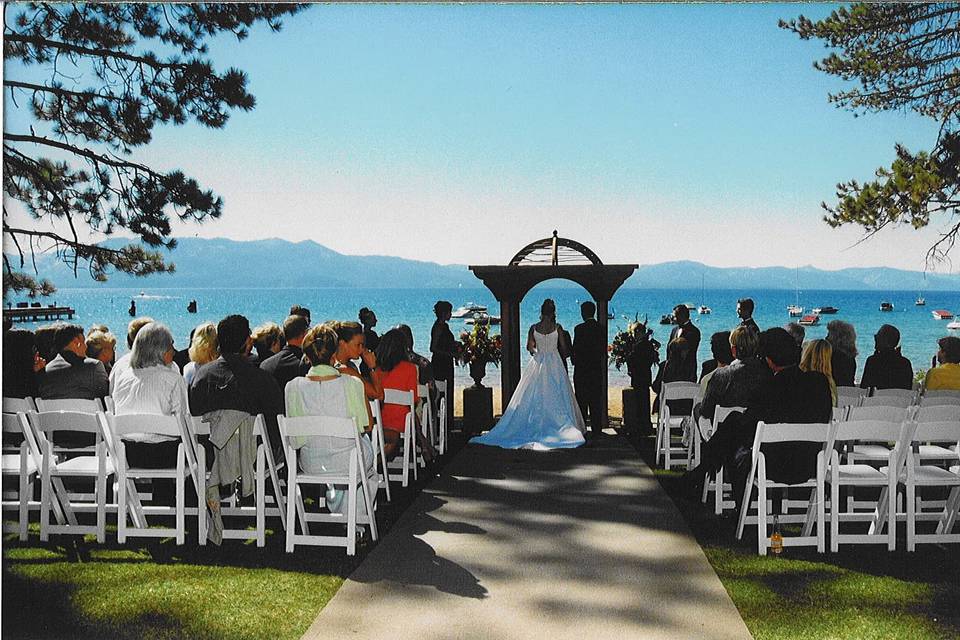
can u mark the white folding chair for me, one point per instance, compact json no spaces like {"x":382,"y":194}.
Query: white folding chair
{"x":355,"y":476}
{"x":717,"y":485}
{"x":97,"y":467}
{"x":898,"y":401}
{"x":442,"y":426}
{"x":939,"y":401}
{"x":855,"y":475}
{"x":151,"y":424}
{"x":850,"y":396}
{"x":876,"y":452}
{"x":23,"y":465}
{"x":777,"y":433}
{"x":920,"y":476}
{"x":408,"y":439}
{"x":428,"y":419}
{"x":941,"y":393}
{"x":666,"y":423}
{"x":379,"y":452}
{"x":18,"y":405}
{"x":938,"y":413}
{"x":896,"y":393}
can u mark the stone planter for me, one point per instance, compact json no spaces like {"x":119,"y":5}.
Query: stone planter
{"x":478,"y":369}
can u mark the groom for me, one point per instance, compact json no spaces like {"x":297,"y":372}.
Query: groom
{"x":589,"y":362}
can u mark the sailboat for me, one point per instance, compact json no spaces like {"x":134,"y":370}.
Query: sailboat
{"x":921,"y":302}
{"x":702,"y":309}
{"x":795,"y":310}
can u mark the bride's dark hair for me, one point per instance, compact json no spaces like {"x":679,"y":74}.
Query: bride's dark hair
{"x":548,"y":310}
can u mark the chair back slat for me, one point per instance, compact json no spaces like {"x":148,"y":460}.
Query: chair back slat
{"x":84,"y":405}
{"x":852,"y":392}
{"x":18,"y":405}
{"x":896,"y":393}
{"x":793,"y":432}
{"x":881,"y":413}
{"x":940,"y":401}
{"x":679,"y":391}
{"x":946,"y":431}
{"x":868,"y":430}
{"x":149,"y":423}
{"x":942,"y":393}
{"x":887,"y":401}
{"x":47,"y":421}
{"x":396,"y":396}
{"x":939,"y":413}
{"x":11,"y":423}
{"x":313,"y":426}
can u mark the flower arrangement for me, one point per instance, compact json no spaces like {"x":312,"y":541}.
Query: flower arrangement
{"x":479,"y":346}
{"x":635,"y":346}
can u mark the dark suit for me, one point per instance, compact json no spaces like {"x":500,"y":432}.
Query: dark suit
{"x":285,"y":365}
{"x":685,"y":368}
{"x":70,"y":376}
{"x":589,"y":362}
{"x":887,"y":370}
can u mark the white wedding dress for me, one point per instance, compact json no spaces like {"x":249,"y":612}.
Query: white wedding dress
{"x":543,"y":412}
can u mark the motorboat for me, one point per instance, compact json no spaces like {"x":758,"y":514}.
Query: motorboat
{"x":483,"y":318}
{"x":886,"y":306}
{"x":794,"y":310}
{"x":921,"y":302}
{"x":469,"y":310}
{"x":825,"y":310}
{"x":953,"y":325}
{"x":942,"y":314}
{"x":810,"y":319}
{"x":666,"y":318}
{"x":704,"y":310}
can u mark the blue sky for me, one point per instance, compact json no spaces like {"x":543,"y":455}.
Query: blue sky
{"x":460,"y":133}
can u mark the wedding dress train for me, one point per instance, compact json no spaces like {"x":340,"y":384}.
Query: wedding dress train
{"x":543,"y":412}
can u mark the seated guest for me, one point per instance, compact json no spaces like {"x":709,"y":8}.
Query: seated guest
{"x":326,"y":391}
{"x":21,"y":364}
{"x":817,"y":356}
{"x":794,"y":396}
{"x":887,"y":368}
{"x":101,"y":345}
{"x":744,"y":382}
{"x":745,"y":313}
{"x":149,"y":385}
{"x":71,"y":374}
{"x":267,"y":341}
{"x":182,"y":357}
{"x":947,"y":375}
{"x":423,"y":363}
{"x":231,"y":382}
{"x":797,"y":332}
{"x":843,"y":338}
{"x":400,"y":374}
{"x":289,"y":362}
{"x":351,"y":346}
{"x":370,"y":338}
{"x":45,"y":337}
{"x":98,"y":327}
{"x":124,"y":361}
{"x":297,"y":310}
{"x":722,"y":356}
{"x":204,"y":348}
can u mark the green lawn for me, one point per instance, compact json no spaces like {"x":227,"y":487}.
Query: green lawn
{"x":863,"y":591}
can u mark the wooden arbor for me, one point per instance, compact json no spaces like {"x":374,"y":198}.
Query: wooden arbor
{"x":542,"y":260}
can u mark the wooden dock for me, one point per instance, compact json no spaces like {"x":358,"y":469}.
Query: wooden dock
{"x":37,"y":314}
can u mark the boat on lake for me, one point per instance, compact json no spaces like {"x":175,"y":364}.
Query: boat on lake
{"x":810,"y":319}
{"x":921,"y":302}
{"x":469,"y":310}
{"x":942,"y":314}
{"x":794,"y":310}
{"x":483,"y":318}
{"x":825,"y":310}
{"x":666,"y":318}
{"x":953,"y":325}
{"x":704,"y":310}
{"x":886,"y":306}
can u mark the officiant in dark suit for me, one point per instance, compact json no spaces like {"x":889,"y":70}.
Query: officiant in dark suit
{"x":589,"y":365}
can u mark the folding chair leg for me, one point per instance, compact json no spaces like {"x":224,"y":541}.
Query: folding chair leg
{"x":122,"y":509}
{"x":834,"y":515}
{"x":352,"y":509}
{"x":45,"y":507}
{"x":181,"y":496}
{"x":892,"y":514}
{"x":292,"y":494}
{"x":911,"y":517}
{"x":101,"y":489}
{"x":261,"y":497}
{"x":26,"y":491}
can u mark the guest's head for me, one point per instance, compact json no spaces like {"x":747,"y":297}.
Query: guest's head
{"x":204,"y":346}
{"x":720,"y":348}
{"x":887,"y":338}
{"x":778,"y":347}
{"x":69,"y":337}
{"x":548,"y":310}
{"x":949,"y":351}
{"x":407,"y":335}
{"x":268,"y":339}
{"x":442,"y":309}
{"x":297,"y":310}
{"x":101,"y":345}
{"x":320,"y":344}
{"x":294,"y":329}
{"x":587,"y":309}
{"x":350,"y":338}
{"x":19,"y":357}
{"x":816,"y":357}
{"x":46,"y":340}
{"x":391,"y":350}
{"x":744,"y":343}
{"x":796,"y":330}
{"x":842,"y":337}
{"x":153,"y":347}
{"x":744,"y":308}
{"x":233,"y":335}
{"x":681,"y":314}
{"x":367,"y":318}
{"x":98,"y":327}
{"x":135,"y":325}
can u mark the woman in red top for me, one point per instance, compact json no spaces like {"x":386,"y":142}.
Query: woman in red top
{"x":402,"y":375}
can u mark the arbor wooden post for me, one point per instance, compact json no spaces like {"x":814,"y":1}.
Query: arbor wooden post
{"x":602,"y":305}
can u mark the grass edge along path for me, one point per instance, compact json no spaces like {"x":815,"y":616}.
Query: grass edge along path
{"x":862,"y":592}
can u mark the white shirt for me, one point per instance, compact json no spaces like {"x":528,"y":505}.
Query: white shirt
{"x":123,"y":364}
{"x":158,"y":390}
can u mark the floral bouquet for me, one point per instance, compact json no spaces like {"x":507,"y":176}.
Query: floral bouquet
{"x":479,"y":346}
{"x":635,"y":347}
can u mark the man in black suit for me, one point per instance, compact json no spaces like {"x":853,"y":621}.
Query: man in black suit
{"x":686,"y":367}
{"x":288,"y":363}
{"x":72,"y":374}
{"x":589,"y":361}
{"x":745,"y":313}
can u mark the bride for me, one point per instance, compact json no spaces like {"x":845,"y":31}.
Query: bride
{"x":543,"y":413}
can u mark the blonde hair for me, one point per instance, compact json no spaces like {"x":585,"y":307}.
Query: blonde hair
{"x":816,"y":357}
{"x":266,"y":335}
{"x":204,"y":347}
{"x":320,"y":344}
{"x":98,"y":340}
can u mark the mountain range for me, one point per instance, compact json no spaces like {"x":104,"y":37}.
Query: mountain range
{"x":219,"y":262}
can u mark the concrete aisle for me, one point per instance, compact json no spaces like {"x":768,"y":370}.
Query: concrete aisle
{"x":521,"y":544}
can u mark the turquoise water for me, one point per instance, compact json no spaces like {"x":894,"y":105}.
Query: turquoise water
{"x":415,"y":307}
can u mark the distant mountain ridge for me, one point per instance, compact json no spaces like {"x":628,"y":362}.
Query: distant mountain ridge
{"x":220,"y":262}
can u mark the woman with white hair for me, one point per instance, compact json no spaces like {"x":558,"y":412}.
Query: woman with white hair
{"x":843,"y":338}
{"x":149,"y":385}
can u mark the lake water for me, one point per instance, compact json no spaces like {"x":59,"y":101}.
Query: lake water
{"x":415,"y":307}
